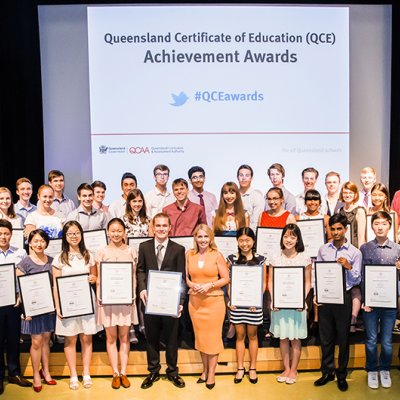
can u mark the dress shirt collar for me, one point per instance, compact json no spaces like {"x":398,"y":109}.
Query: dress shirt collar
{"x":345,"y":246}
{"x":157,"y":243}
{"x":82,"y":211}
{"x":388,"y":244}
{"x":10,"y":250}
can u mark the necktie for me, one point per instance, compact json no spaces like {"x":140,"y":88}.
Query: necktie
{"x":201,"y":200}
{"x":159,"y":255}
{"x":365,"y":200}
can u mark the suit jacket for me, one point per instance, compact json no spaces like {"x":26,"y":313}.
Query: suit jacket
{"x":174,"y":260}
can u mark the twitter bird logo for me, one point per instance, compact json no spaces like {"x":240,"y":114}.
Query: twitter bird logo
{"x":179,"y":100}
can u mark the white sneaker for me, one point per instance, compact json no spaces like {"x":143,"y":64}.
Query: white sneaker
{"x":373,"y":382}
{"x":386,"y":382}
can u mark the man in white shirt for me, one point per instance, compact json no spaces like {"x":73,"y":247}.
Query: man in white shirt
{"x":159,"y":197}
{"x":276,"y":174}
{"x":200,"y":196}
{"x":332,"y":183}
{"x":117,"y":207}
{"x":24,"y":191}
{"x":309,"y":177}
{"x":253,"y":199}
{"x":367,"y":179}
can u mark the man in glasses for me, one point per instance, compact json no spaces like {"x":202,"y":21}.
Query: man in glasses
{"x":198,"y":195}
{"x":159,"y":197}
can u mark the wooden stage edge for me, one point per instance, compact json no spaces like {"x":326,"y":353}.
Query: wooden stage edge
{"x":189,"y":361}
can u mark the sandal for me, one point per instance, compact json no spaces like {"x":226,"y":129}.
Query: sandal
{"x":87,"y":381}
{"x":73,"y":383}
{"x":238,"y":380}
{"x":253,"y":380}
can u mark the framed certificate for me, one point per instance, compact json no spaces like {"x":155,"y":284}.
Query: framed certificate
{"x":247,"y":285}
{"x":268,"y":241}
{"x":185,"y":241}
{"x":116,"y":283}
{"x":313,"y":234}
{"x":226,"y":244}
{"x":8,"y":296}
{"x":17,"y":238}
{"x":135,"y":242}
{"x":371,"y":234}
{"x":380,"y":286}
{"x":288,"y":287}
{"x":54,"y":247}
{"x":95,"y":240}
{"x":74,"y":295}
{"x":36,"y":294}
{"x":330,"y":282}
{"x":163,"y":293}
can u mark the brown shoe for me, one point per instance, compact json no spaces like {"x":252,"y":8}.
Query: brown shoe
{"x":125,"y":381}
{"x":19,"y":380}
{"x":116,"y":382}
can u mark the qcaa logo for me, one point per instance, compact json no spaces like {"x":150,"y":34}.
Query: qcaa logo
{"x":139,"y":150}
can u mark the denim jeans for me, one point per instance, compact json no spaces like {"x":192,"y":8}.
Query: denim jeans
{"x":387,"y":318}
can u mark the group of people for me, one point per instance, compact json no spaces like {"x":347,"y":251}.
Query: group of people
{"x":205,"y":273}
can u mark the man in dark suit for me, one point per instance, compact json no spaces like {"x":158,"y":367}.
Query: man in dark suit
{"x":162,"y":254}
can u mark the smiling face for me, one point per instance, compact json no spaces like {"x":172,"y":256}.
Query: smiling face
{"x":5,"y":237}
{"x":202,"y":239}
{"x":312,"y":205}
{"x":127,"y":185}
{"x":73,"y":236}
{"x":348,"y":196}
{"x":57,"y":184}
{"x":289,"y":240}
{"x":245,"y":244}
{"x":197,"y":179}
{"x":24,"y":191}
{"x":116,"y":233}
{"x":274,"y":201}
{"x":99,"y":194}
{"x":46,"y":197}
{"x":309,"y":180}
{"x":161,"y":228}
{"x":37,"y":244}
{"x":5,"y":202}
{"x":368,"y":180}
{"x":332,"y":184}
{"x":378,"y":199}
{"x":86,"y":199}
{"x":136,"y":204}
{"x":229,"y":196}
{"x":180,"y":191}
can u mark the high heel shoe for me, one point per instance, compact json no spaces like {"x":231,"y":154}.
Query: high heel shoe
{"x":51,"y":382}
{"x":253,"y":380}
{"x":238,"y":380}
{"x":210,"y":385}
{"x":201,"y":380}
{"x":37,"y":389}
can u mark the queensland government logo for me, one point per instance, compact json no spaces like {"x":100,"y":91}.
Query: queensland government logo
{"x":139,"y":150}
{"x":103,"y":149}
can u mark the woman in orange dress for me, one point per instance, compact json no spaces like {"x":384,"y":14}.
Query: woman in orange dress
{"x":206,"y":274}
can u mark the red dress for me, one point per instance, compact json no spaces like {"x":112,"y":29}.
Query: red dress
{"x":269,"y":221}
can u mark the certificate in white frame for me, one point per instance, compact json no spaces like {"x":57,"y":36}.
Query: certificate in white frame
{"x":247,"y":284}
{"x":163,"y":293}
{"x":116,"y":283}
{"x":330,"y":282}
{"x":185,"y":241}
{"x":95,"y":239}
{"x":8,"y":295}
{"x":54,"y":247}
{"x":36,"y":294}
{"x":17,"y":238}
{"x":288,"y":287}
{"x":74,"y":295}
{"x":313,"y":235}
{"x":380,"y":286}
{"x":268,"y":241}
{"x":135,"y":242}
{"x":227,"y":245}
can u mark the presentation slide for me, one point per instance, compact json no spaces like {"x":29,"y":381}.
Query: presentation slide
{"x":218,"y":86}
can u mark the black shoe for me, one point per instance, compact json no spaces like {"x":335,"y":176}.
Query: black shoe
{"x":19,"y":380}
{"x":253,"y":380}
{"x":201,"y":380}
{"x":177,"y":381}
{"x":342,"y":384}
{"x":1,"y":386}
{"x":325,"y":378}
{"x":149,"y":380}
{"x":238,"y":380}
{"x":210,"y":385}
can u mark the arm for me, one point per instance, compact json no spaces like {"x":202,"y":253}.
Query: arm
{"x":361,"y":219}
{"x":259,"y":219}
{"x":308,"y":279}
{"x":56,"y":274}
{"x":271,"y":271}
{"x":189,"y":283}
{"x":223,"y":273}
{"x":247,"y":219}
{"x":141,"y":275}
{"x":291,"y":219}
{"x":28,"y":229}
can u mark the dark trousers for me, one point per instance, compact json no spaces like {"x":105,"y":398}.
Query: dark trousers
{"x":154,"y":325}
{"x":10,"y":333}
{"x":334,"y":327}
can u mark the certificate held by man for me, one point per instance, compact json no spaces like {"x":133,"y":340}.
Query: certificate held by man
{"x":116,"y":283}
{"x":247,"y":286}
{"x":8,"y":296}
{"x":163,"y":293}
{"x":288,"y":287}
{"x":330,"y":282}
{"x":36,"y":294}
{"x":75,"y":295}
{"x":380,"y":285}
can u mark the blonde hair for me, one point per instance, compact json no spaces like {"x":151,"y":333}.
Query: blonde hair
{"x":10,"y":210}
{"x":368,"y":169}
{"x":43,"y":187}
{"x":210,"y":234}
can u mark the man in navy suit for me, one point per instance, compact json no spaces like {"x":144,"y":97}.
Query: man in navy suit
{"x":163,"y":254}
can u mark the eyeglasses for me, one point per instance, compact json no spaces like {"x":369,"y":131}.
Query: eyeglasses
{"x":73,"y":234}
{"x":197,"y":178}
